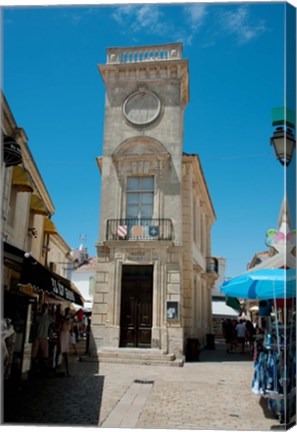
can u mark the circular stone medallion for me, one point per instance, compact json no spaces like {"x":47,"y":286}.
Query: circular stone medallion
{"x":142,"y":107}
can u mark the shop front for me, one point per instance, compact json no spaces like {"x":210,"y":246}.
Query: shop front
{"x":28,"y":284}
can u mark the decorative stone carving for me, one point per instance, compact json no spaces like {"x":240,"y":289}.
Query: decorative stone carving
{"x":142,"y":107}
{"x":140,"y":155}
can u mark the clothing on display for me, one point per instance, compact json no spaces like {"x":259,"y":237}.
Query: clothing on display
{"x":275,"y":369}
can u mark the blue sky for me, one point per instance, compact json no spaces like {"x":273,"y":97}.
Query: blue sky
{"x":236,"y":64}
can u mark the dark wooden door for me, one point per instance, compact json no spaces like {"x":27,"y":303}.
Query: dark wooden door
{"x":136,"y":306}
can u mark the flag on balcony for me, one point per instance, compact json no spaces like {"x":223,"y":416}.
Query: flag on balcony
{"x":137,"y":231}
{"x":153,"y":231}
{"x":122,"y":231}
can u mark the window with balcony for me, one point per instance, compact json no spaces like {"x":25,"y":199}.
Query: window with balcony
{"x":140,"y":197}
{"x":139,"y":223}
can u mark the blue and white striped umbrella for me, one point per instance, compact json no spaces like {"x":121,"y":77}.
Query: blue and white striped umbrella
{"x":262,"y":284}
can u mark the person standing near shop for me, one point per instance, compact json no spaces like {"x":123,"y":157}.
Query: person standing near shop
{"x":40,"y":346}
{"x":241,"y":334}
{"x":64,"y":337}
{"x":80,"y":316}
{"x":228,"y":332}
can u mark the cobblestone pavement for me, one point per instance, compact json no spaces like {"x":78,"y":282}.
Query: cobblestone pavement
{"x":214,"y":393}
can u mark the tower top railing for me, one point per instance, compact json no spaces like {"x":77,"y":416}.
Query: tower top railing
{"x":143,"y":54}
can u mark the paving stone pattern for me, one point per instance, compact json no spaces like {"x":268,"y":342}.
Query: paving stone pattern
{"x":214,"y":393}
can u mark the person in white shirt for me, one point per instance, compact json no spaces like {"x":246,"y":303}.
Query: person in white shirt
{"x":241,"y":333}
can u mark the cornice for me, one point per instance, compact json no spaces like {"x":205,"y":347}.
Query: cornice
{"x":31,"y":166}
{"x":210,"y":278}
{"x":154,"y":71}
{"x":141,"y":157}
{"x":10,"y":128}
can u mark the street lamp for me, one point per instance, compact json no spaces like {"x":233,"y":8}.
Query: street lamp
{"x":283,"y":143}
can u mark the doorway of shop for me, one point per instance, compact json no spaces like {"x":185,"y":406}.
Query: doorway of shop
{"x":136,"y":306}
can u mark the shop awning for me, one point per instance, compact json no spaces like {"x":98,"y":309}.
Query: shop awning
{"x":39,"y":277}
{"x":220,"y":309}
{"x":37,"y":206}
{"x":21,"y":179}
{"x":49,"y":226}
{"x":233,"y":302}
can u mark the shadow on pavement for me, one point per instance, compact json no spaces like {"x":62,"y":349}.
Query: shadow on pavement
{"x":219,"y":354}
{"x":57,"y":399}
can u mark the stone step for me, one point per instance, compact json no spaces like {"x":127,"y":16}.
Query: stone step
{"x":141,"y":361}
{"x":135,"y":353}
{"x":137,"y":356}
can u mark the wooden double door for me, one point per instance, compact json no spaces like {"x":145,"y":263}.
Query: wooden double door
{"x":136,"y":306}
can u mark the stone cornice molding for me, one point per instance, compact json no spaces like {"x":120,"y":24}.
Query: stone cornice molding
{"x":128,"y":244}
{"x":140,"y":145}
{"x":210,"y":278}
{"x":10,"y":128}
{"x":197,"y":268}
{"x":31,"y":166}
{"x":58,"y":240}
{"x":149,"y":72}
{"x":140,"y":155}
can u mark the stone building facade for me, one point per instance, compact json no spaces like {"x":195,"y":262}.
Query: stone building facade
{"x":34,"y":255}
{"x":154,"y":270}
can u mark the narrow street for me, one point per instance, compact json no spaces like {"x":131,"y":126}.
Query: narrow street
{"x":214,"y":393}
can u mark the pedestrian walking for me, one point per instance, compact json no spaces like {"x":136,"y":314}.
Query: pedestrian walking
{"x":80,"y":318}
{"x":72,"y":341}
{"x":241,"y":334}
{"x":228,"y":332}
{"x":250,"y":335}
{"x":40,"y":345}
{"x":64,"y":337}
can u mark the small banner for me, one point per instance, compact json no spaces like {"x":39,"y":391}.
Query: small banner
{"x":153,"y":231}
{"x":122,"y":231}
{"x":137,"y":231}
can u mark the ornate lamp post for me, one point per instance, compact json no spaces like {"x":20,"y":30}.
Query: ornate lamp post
{"x":12,"y":154}
{"x":283,"y":143}
{"x":283,"y":140}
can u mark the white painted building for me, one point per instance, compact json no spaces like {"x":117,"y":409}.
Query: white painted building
{"x":84,"y":279}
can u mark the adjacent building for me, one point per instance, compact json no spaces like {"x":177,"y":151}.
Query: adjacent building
{"x":83,"y":275}
{"x":220,"y":308}
{"x":35,"y":257}
{"x":154,"y":266}
{"x":281,"y":253}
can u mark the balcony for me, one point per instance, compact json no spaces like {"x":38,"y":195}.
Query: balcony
{"x":142,"y":54}
{"x":212,"y":265}
{"x":139,"y":229}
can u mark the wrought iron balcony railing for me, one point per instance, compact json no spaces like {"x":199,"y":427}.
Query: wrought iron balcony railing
{"x":139,"y":229}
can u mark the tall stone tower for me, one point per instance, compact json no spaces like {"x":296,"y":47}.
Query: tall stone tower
{"x":138,"y":298}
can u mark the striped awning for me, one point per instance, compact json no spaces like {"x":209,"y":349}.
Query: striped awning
{"x":49,"y":226}
{"x":37,"y":206}
{"x":21,"y":179}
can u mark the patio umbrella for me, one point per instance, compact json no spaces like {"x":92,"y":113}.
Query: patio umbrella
{"x":262,"y":284}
